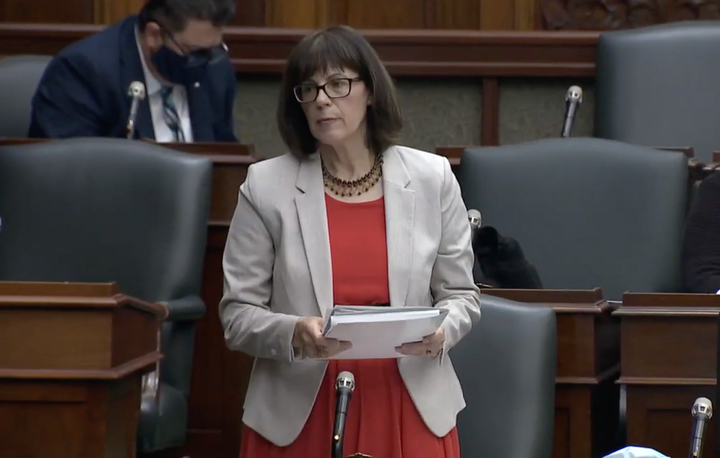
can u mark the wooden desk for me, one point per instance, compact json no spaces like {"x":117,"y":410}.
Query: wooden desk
{"x":668,"y":359}
{"x":70,"y":369}
{"x":587,"y":399}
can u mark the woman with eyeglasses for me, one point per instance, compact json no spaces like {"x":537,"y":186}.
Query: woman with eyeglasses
{"x":346,"y":217}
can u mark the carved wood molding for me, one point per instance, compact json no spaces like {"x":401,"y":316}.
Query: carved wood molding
{"x":441,"y":53}
{"x":622,"y":14}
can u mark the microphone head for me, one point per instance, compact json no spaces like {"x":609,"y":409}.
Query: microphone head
{"x":136,"y":89}
{"x":345,"y":379}
{"x":574,"y":93}
{"x":702,"y":408}
{"x":475,"y":218}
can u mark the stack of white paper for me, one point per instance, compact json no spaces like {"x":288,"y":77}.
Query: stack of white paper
{"x":375,"y":331}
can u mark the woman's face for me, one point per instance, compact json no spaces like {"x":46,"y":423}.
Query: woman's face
{"x":335,"y":104}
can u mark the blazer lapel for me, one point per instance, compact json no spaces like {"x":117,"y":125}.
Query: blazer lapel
{"x":399,"y":221}
{"x":131,"y":69}
{"x":312,"y":215}
{"x":200,"y":113}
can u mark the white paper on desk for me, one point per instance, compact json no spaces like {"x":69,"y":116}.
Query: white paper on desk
{"x":375,"y":331}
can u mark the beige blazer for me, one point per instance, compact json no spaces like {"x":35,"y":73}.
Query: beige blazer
{"x":278,"y":268}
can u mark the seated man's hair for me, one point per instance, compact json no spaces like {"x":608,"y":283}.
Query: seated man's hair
{"x":173,"y":15}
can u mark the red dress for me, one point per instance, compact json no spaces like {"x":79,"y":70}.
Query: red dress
{"x":382,"y":419}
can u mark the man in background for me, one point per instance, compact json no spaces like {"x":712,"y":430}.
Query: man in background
{"x":174,"y":47}
{"x":701,"y":246}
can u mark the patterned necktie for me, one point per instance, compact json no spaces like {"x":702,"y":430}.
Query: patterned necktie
{"x":172,"y":119}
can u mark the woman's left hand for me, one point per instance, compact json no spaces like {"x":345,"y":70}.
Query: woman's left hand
{"x":431,"y":346}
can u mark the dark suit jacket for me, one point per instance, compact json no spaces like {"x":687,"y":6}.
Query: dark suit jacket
{"x":701,"y":247}
{"x":83,"y":92}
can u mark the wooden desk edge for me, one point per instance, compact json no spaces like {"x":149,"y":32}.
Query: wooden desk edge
{"x":142,"y":364}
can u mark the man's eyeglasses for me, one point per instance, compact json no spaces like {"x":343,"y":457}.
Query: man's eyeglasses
{"x":200,"y":57}
{"x":336,"y":88}
{"x":207,"y":56}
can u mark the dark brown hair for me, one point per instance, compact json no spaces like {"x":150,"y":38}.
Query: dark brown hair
{"x":175,"y":14}
{"x":338,"y":47}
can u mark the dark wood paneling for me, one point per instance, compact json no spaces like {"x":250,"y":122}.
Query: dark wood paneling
{"x":438,"y":53}
{"x":659,"y":417}
{"x":452,"y":14}
{"x":668,"y":359}
{"x":48,"y":11}
{"x":249,"y":13}
{"x":383,"y":14}
{"x":69,"y":419}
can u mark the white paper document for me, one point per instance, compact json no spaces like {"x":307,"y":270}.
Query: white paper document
{"x":375,"y":331}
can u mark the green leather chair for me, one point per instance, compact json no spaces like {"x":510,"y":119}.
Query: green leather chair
{"x":19,"y":77}
{"x":100,"y":210}
{"x":507,"y":366}
{"x":588,"y":212}
{"x":657,"y":86}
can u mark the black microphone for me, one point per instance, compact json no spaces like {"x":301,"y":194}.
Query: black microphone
{"x":344,"y":386}
{"x":137,"y":92}
{"x":573,"y":99}
{"x":702,"y":413}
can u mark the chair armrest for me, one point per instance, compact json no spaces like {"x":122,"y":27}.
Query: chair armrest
{"x":188,"y":308}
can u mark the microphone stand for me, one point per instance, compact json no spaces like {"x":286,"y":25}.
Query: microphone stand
{"x":337,"y":446}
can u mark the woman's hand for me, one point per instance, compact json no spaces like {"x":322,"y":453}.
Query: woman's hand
{"x":309,"y":340}
{"x":431,"y":346}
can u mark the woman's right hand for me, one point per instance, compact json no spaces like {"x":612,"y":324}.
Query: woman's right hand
{"x":309,"y":340}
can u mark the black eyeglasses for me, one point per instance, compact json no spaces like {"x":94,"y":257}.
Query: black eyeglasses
{"x":336,"y":88}
{"x":200,"y":57}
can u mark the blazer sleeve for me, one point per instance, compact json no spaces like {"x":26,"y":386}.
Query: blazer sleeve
{"x":452,"y":284}
{"x":248,"y":323}
{"x":701,"y":246}
{"x":65,"y":103}
{"x":225,"y":127}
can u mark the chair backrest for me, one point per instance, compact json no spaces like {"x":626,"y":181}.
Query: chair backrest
{"x":507,"y":366}
{"x":587,"y":212}
{"x":658,"y":85}
{"x":101,"y":209}
{"x":19,"y":78}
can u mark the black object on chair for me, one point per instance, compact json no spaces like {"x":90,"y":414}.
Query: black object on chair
{"x":507,"y":367}
{"x":103,"y":210}
{"x":645,"y":93}
{"x":502,"y":261}
{"x":19,"y":78}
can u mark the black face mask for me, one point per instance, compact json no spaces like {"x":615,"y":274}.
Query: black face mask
{"x":178,"y":69}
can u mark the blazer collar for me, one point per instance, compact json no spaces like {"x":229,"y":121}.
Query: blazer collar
{"x":399,"y":224}
{"x":312,"y":215}
{"x":399,"y":220}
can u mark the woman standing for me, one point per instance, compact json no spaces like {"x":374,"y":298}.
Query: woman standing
{"x":347,"y":218}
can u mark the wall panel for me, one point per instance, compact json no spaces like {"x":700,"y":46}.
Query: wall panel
{"x":382,"y":14}
{"x":455,"y":14}
{"x":48,"y":11}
